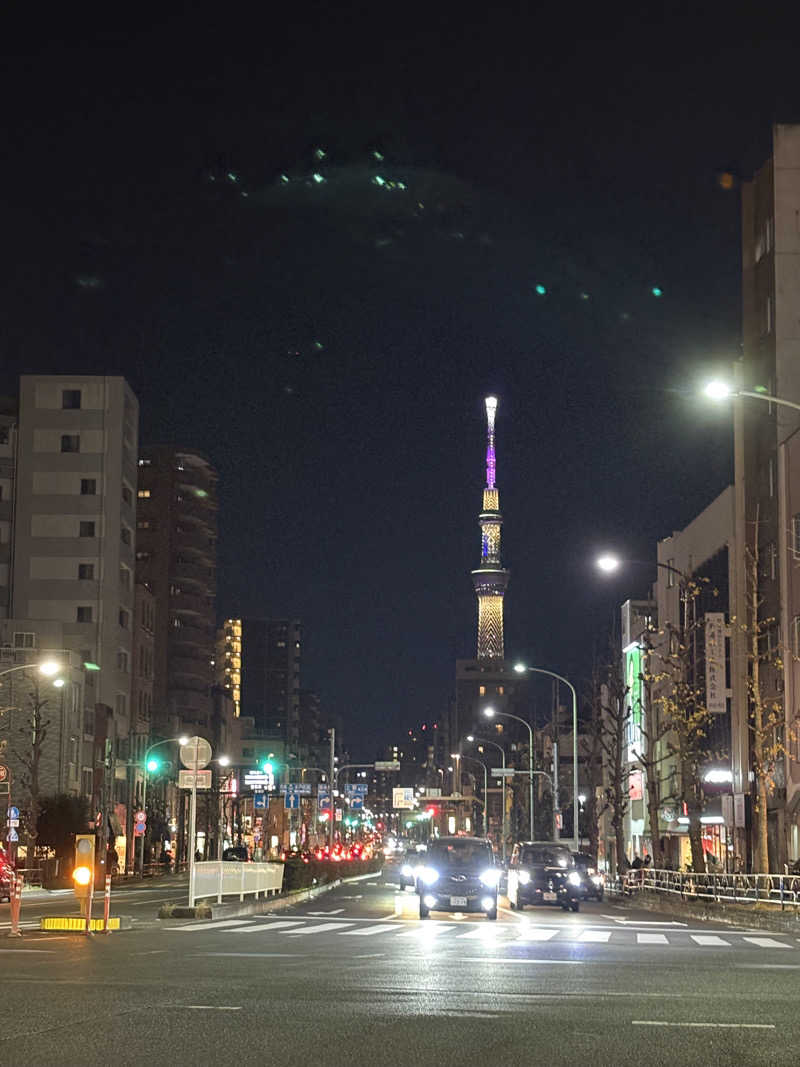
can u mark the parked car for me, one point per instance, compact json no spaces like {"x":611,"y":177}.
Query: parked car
{"x":458,"y":874}
{"x":543,"y":872}
{"x":593,"y":881}
{"x":236,"y":854}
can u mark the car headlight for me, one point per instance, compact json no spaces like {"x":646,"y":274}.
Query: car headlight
{"x":407,"y":870}
{"x":490,"y":877}
{"x":524,"y":877}
{"x":574,"y":878}
{"x":428,"y":875}
{"x":597,"y":879}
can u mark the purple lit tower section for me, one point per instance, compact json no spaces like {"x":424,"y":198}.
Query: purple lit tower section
{"x":490,"y":578}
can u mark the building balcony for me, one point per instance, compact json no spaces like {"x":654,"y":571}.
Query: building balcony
{"x":189,"y":538}
{"x":189,"y":604}
{"x":185,"y":570}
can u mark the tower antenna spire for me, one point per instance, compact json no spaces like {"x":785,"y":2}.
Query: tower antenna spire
{"x":490,"y":578}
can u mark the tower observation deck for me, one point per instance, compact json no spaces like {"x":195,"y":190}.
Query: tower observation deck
{"x":490,"y":578}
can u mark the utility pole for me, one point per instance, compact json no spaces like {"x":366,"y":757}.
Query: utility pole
{"x":331,"y":779}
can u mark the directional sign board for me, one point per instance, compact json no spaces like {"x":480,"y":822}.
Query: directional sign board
{"x":502,"y":772}
{"x":387,"y":765}
{"x":403,"y":798}
{"x":13,"y":835}
{"x":291,"y":801}
{"x":302,"y":788}
{"x":196,"y":754}
{"x":358,"y":790}
{"x":356,"y":803}
{"x":186,"y":779}
{"x":259,"y":800}
{"x":13,"y":812}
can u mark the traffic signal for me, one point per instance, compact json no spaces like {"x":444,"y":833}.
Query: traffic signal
{"x":153,"y":764}
{"x":83,"y":871}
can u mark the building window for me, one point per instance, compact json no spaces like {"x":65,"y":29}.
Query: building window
{"x":124,"y":535}
{"x":83,"y":614}
{"x":122,"y":704}
{"x":771,"y":476}
{"x":24,"y":640}
{"x":143,"y":556}
{"x":124,"y":618}
{"x":70,"y":442}
{"x":86,"y":572}
{"x":86,"y":529}
{"x":143,"y":524}
{"x":145,"y":462}
{"x":670,"y":574}
{"x":124,"y":577}
{"x":122,"y":661}
{"x":143,"y":494}
{"x":88,"y":486}
{"x":71,"y":399}
{"x":127,"y":495}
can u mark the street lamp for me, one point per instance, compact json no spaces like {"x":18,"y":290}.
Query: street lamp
{"x":485,"y":741}
{"x":520,"y":668}
{"x":490,"y":714}
{"x":47,"y":667}
{"x":151,"y":765}
{"x":472,"y":759}
{"x":719,"y":390}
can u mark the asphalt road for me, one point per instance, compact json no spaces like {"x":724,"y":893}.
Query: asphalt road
{"x":355,"y":978}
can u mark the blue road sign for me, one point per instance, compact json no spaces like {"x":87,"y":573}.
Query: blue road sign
{"x":291,"y":800}
{"x":13,"y":813}
{"x":13,"y":835}
{"x":259,"y":800}
{"x":356,"y":803}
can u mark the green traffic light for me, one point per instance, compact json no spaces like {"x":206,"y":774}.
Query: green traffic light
{"x":267,"y":767}
{"x":153,"y":764}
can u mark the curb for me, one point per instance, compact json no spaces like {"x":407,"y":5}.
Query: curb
{"x":735,"y":915}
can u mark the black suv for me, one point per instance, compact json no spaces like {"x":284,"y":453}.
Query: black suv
{"x":459,"y":874}
{"x":543,"y":872}
{"x":593,"y":881}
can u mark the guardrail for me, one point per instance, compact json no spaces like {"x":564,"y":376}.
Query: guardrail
{"x":221,"y":878}
{"x":782,"y":890}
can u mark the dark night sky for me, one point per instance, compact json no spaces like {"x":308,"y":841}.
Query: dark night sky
{"x":582,"y":157}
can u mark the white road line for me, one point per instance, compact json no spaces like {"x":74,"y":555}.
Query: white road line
{"x":651,"y":939}
{"x":709,"y":940}
{"x":262,"y":928}
{"x":210,"y":1007}
{"x":381,"y":928}
{"x":767,"y":942}
{"x":315,"y":928}
{"x":706,"y":1026}
{"x":333,"y":911}
{"x":505,"y":959}
{"x":479,"y":933}
{"x":539,"y":933}
{"x":597,"y":936}
{"x":427,"y":931}
{"x":219,"y":925}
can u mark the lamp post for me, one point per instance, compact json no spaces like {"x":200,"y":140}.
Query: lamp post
{"x":485,"y":741}
{"x":182,"y":740}
{"x":520,"y":668}
{"x":490,"y":714}
{"x":472,"y":759}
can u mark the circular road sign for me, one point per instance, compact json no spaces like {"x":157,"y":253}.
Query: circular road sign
{"x":196,"y":754}
{"x":140,"y":816}
{"x":3,"y":772}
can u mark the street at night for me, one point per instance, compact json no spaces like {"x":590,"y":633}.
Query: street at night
{"x":354,"y":977}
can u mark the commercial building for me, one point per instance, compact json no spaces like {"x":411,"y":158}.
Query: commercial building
{"x":8,"y":454}
{"x":271,"y":676}
{"x":767,"y":461}
{"x":176,"y":558}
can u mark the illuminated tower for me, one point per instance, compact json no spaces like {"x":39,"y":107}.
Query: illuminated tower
{"x":490,"y":579}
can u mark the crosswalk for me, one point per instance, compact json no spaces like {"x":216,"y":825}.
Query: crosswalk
{"x":508,"y":932}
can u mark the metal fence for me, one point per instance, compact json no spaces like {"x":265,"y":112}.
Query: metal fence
{"x":782,"y":890}
{"x":218,"y":878}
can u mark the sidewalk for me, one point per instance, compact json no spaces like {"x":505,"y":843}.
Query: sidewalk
{"x":760,"y":916}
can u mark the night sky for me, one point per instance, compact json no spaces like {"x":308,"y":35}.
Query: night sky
{"x":329,"y":343}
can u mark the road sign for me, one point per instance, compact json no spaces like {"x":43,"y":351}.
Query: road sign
{"x":301,"y":788}
{"x":13,"y":813}
{"x":356,"y":803}
{"x":502,"y":772}
{"x":12,"y":822}
{"x":258,"y":780}
{"x":387,"y":765}
{"x":357,"y":790}
{"x":291,"y":800}
{"x":139,"y":829}
{"x":259,"y":800}
{"x":13,"y":835}
{"x":140,"y":816}
{"x":403,"y":798}
{"x":196,"y":754}
{"x":3,"y":772}
{"x":186,"y":779}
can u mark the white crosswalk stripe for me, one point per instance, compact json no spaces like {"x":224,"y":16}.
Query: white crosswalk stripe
{"x":480,"y":933}
{"x":381,"y":928}
{"x":767,"y":942}
{"x":541,"y":933}
{"x":710,"y":940}
{"x":211,"y":925}
{"x":651,"y":939}
{"x":597,"y":936}
{"x":262,"y":927}
{"x":318,"y":928}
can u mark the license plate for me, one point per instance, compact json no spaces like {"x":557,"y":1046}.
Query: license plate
{"x":458,"y":902}
{"x":549,"y":896}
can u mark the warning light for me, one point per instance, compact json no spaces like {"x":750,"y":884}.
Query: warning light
{"x":82,"y":875}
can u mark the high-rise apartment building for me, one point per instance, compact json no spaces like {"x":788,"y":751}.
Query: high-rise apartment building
{"x":176,"y":559}
{"x":228,"y":662}
{"x":767,"y":457}
{"x":75,"y":522}
{"x":271,"y":676}
{"x":8,"y":452}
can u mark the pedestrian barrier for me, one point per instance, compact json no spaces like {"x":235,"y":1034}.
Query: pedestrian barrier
{"x":220,"y":878}
{"x":782,"y":890}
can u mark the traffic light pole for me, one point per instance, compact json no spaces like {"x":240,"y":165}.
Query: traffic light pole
{"x":331,"y":779}
{"x":193,"y":821}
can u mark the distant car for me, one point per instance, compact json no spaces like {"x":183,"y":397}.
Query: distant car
{"x":236,"y":854}
{"x":593,"y":881}
{"x":458,"y":874}
{"x":542,"y":872}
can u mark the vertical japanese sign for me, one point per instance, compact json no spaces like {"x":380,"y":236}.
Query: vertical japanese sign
{"x":715,"y":663}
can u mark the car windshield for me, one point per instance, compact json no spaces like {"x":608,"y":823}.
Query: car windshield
{"x":547,"y":856}
{"x":582,"y":860}
{"x":464,"y":853}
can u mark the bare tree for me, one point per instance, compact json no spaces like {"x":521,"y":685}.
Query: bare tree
{"x":591,"y":745}
{"x":616,"y":715}
{"x":33,"y":732}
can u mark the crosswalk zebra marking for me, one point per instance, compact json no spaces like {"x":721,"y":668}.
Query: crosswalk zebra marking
{"x":541,"y":933}
{"x":595,"y":936}
{"x":710,"y":940}
{"x":381,"y":928}
{"x":651,"y":939}
{"x":317,"y":928}
{"x":766,"y":942}
{"x":283,"y":924}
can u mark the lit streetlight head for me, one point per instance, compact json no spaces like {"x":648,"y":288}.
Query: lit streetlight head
{"x":608,"y":563}
{"x":717,"y":390}
{"x":58,"y":683}
{"x":520,"y":668}
{"x":455,"y":755}
{"x":470,"y":737}
{"x":224,"y":761}
{"x":183,"y":740}
{"x":49,"y":667}
{"x":489,"y":713}
{"x":581,"y":798}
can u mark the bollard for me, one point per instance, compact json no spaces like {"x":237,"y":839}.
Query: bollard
{"x":15,"y":904}
{"x":88,"y":905}
{"x":107,"y":904}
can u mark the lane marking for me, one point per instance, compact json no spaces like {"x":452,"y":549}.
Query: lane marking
{"x":41,"y":951}
{"x":766,"y":942}
{"x":316,"y":928}
{"x":644,"y":922}
{"x":334,"y":911}
{"x":706,"y":1026}
{"x":767,"y":966}
{"x":219,"y":925}
{"x":541,"y":933}
{"x":709,"y":940}
{"x":209,"y":1007}
{"x":381,"y":928}
{"x":427,"y":931}
{"x":479,"y":933}
{"x":594,"y":936}
{"x":264,"y":927}
{"x":249,"y":955}
{"x":651,"y":939}
{"x":504,"y":959}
